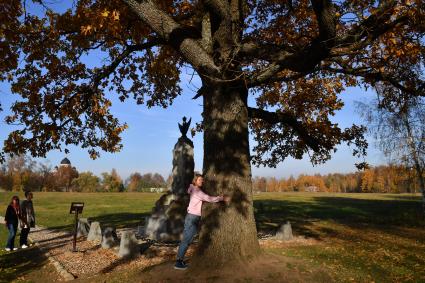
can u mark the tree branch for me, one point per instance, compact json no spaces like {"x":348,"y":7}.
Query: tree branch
{"x":287,"y":119}
{"x":178,"y":36}
{"x":288,"y":78}
{"x":372,"y":27}
{"x":262,"y":51}
{"x":375,"y":76}
{"x":220,"y":8}
{"x":107,"y":70}
{"x":325,"y":15}
{"x":305,"y":60}
{"x":237,"y":10}
{"x":91,"y":88}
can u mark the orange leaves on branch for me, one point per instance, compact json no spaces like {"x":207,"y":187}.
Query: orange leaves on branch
{"x":10,"y":12}
{"x":312,"y":100}
{"x":105,"y":13}
{"x":186,"y":6}
{"x":86,"y":30}
{"x":63,"y":100}
{"x":275,"y":22}
{"x":115,"y":15}
{"x":105,"y":21}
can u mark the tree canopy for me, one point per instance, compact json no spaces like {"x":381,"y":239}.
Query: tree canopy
{"x":295,"y":57}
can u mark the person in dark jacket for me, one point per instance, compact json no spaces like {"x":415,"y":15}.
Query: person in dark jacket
{"x":28,"y":219}
{"x":12,"y":220}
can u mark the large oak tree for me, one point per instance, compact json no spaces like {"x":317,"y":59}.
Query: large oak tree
{"x":295,"y":57}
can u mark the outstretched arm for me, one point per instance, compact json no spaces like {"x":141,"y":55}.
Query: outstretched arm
{"x":204,"y":197}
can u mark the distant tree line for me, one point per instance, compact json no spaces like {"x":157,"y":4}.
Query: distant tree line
{"x":143,"y":183}
{"x":380,"y":179}
{"x":20,"y":173}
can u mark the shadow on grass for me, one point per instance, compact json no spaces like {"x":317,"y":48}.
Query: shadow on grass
{"x":414,"y":198}
{"x":17,"y":264}
{"x":404,"y":211}
{"x":117,"y":220}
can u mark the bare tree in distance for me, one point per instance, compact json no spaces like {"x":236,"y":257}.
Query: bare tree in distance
{"x":398,"y":125}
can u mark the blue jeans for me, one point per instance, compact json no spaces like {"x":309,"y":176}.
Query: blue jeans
{"x":12,"y":234}
{"x":190,"y":228}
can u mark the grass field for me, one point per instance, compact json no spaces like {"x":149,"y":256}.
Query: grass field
{"x":360,"y":237}
{"x":363,"y":237}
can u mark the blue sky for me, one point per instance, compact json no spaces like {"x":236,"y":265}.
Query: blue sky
{"x":152,"y":133}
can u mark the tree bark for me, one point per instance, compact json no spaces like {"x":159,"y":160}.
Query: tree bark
{"x":228,"y":232}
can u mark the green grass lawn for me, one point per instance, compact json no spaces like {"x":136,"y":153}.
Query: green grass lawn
{"x":3,"y":238}
{"x":363,"y":237}
{"x":119,"y":209}
{"x":27,"y":265}
{"x":360,"y":237}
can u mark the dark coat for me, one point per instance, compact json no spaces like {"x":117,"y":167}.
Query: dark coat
{"x":27,"y":213}
{"x":11,"y":216}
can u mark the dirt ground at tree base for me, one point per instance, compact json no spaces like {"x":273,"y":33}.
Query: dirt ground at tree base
{"x":156,"y":264}
{"x":264,"y":268}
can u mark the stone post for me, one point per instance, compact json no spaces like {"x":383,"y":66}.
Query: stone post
{"x":83,"y":227}
{"x":167,"y":219}
{"x":285,"y":232}
{"x":128,"y":245}
{"x":95,"y":233}
{"x":109,"y":238}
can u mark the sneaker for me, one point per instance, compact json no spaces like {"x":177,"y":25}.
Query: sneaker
{"x":180,"y":265}
{"x":15,"y":249}
{"x":7,"y":249}
{"x":24,"y":246}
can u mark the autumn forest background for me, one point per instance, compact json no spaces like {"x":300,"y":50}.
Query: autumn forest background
{"x":22,"y":173}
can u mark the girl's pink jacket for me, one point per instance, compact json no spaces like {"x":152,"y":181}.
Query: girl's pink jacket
{"x":196,"y":198}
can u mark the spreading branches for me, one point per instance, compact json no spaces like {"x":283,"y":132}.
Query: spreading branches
{"x":181,"y":38}
{"x":378,"y":76}
{"x":326,"y":44}
{"x":296,"y":56}
{"x":306,"y":59}
{"x":285,"y":136}
{"x":370,"y":28}
{"x":63,"y":101}
{"x":106,"y":71}
{"x":286,"y":119}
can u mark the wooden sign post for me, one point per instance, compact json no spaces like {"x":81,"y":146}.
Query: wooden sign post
{"x":76,"y":208}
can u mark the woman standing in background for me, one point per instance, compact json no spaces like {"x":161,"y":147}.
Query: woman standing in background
{"x":13,"y":215}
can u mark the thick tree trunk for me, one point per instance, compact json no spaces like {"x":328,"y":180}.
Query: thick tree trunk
{"x":228,"y":232}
